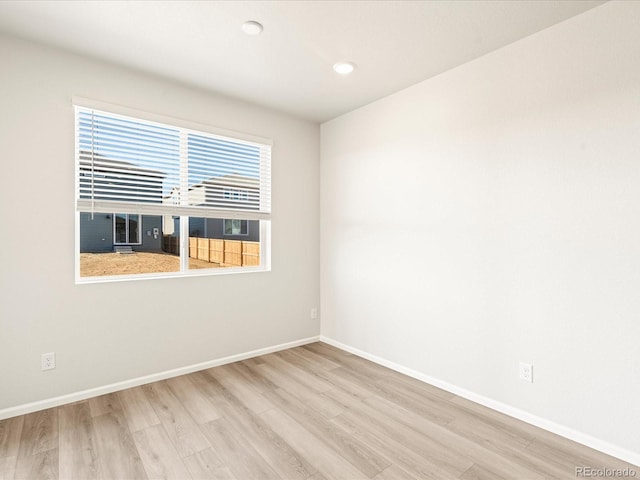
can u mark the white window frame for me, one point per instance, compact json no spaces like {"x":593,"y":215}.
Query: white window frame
{"x":264,"y":223}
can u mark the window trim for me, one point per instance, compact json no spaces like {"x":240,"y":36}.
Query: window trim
{"x":166,"y":119}
{"x":264,"y":219}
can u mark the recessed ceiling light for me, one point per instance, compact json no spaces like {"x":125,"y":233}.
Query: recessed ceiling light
{"x":252,"y":27}
{"x":344,"y":68}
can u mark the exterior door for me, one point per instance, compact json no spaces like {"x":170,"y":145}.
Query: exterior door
{"x":127,"y":229}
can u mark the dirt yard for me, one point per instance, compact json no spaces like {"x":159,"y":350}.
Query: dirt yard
{"x":101,"y":264}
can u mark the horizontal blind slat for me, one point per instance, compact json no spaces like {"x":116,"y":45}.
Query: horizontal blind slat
{"x":109,"y":207}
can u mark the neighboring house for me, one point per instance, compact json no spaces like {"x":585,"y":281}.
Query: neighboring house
{"x":100,"y":232}
{"x":103,"y":232}
{"x":227,"y":191}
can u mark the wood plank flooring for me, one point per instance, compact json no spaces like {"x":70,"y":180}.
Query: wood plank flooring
{"x":311,"y":412}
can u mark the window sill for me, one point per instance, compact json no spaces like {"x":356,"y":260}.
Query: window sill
{"x":156,"y":276}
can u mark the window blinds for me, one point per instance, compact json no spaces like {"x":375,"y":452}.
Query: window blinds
{"x":125,"y":164}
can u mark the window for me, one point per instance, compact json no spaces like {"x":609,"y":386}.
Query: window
{"x":236,"y":194}
{"x":126,"y":230}
{"x":236,"y":227}
{"x":178,"y":190}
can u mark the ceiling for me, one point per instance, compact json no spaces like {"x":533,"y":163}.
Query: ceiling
{"x":289,"y":66}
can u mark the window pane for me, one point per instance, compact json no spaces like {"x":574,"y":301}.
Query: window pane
{"x":237,"y":227}
{"x":224,"y":172}
{"x":128,"y":244}
{"x":120,"y":230}
{"x":126,"y":159}
{"x":217,"y":242}
{"x":228,"y":227}
{"x":134,"y":229}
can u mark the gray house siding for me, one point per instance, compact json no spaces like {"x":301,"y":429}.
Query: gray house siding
{"x":96,"y":235}
{"x":149,"y":242}
{"x":214,"y":228}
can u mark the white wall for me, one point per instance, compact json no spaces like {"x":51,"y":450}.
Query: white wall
{"x":106,"y":333}
{"x":491,"y":215}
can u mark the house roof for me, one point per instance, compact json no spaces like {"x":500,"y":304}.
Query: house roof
{"x":102,"y":163}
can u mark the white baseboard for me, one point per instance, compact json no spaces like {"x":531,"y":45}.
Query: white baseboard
{"x":563,"y":431}
{"x":134,"y":382}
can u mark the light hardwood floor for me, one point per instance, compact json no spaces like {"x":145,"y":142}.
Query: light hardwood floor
{"x":312,"y":412}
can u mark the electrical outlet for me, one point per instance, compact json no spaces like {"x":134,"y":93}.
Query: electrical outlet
{"x":526,"y":372}
{"x":48,"y":361}
{"x":314,"y":313}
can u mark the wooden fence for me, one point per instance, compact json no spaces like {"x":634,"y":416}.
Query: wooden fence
{"x":226,"y":253}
